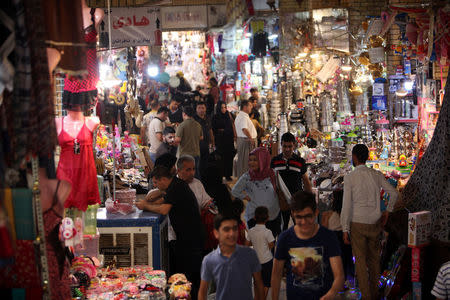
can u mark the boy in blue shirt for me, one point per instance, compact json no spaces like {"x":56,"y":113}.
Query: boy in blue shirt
{"x":312,"y":253}
{"x":231,"y":266}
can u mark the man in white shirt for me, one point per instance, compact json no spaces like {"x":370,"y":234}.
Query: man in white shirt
{"x":154,"y":105}
{"x":155,"y":129}
{"x":246,"y":137}
{"x":362,"y":217}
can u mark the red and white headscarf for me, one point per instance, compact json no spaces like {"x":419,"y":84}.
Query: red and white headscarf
{"x":265,"y":170}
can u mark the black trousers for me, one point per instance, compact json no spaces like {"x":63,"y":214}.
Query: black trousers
{"x":274,"y":225}
{"x":203,"y":164}
{"x":188,"y":260}
{"x":286,"y":215}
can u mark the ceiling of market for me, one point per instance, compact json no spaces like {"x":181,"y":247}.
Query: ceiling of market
{"x":130,"y":3}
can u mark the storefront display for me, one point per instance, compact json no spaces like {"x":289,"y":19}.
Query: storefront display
{"x":182,"y":52}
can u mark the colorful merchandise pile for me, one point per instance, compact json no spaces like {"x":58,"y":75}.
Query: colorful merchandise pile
{"x":138,"y":282}
{"x":130,"y":158}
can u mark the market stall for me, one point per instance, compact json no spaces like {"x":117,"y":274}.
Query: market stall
{"x":338,"y":98}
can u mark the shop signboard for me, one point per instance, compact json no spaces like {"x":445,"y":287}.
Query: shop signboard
{"x":184,"y":17}
{"x":132,"y":26}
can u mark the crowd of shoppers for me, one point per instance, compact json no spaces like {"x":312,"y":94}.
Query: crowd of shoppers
{"x":208,"y":143}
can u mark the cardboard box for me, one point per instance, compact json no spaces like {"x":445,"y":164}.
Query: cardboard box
{"x":419,"y":228}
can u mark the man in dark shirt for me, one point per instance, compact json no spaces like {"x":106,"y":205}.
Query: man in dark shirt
{"x":181,"y":206}
{"x":311,"y":254}
{"x":208,"y":137}
{"x":292,"y":169}
{"x":175,"y":114}
{"x":168,"y":144}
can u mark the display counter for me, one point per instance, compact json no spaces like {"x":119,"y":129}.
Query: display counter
{"x":139,"y":238}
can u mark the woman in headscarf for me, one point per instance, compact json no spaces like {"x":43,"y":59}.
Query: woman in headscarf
{"x":224,"y":135}
{"x":258,"y":187}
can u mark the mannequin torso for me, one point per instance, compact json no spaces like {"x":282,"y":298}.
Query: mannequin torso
{"x":76,"y":163}
{"x":74,"y":122}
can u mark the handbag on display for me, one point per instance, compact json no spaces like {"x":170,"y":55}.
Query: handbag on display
{"x":283,"y":193}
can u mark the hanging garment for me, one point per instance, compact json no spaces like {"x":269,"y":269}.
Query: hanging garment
{"x":427,"y":189}
{"x":29,"y":108}
{"x":7,"y":226}
{"x":81,"y":93}
{"x":58,"y":265}
{"x":17,"y":104}
{"x":24,"y":272}
{"x":63,"y":21}
{"x":442,"y":41}
{"x":41,"y":118}
{"x":78,"y":169}
{"x":241,"y":58}
{"x":260,"y":44}
{"x":6,"y":47}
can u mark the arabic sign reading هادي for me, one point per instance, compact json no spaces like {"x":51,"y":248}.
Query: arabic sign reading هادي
{"x":132,"y":26}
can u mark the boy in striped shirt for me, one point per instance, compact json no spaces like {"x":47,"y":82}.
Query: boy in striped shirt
{"x":441,"y":289}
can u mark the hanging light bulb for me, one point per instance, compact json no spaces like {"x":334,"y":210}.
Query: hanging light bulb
{"x":409,"y":85}
{"x":152,"y":71}
{"x":401,"y":92}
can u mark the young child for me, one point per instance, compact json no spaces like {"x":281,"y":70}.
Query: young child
{"x":237,"y":208}
{"x":263,"y":242}
{"x":232,"y":267}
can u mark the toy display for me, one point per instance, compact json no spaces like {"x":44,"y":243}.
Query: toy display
{"x":139,"y":282}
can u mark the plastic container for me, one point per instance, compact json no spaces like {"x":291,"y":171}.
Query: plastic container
{"x":89,"y":246}
{"x":90,"y":220}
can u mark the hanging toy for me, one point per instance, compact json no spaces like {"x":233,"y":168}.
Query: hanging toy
{"x":372,"y":155}
{"x":67,"y":232}
{"x":121,"y":65}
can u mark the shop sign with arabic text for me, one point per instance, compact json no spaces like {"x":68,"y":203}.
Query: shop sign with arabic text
{"x":132,"y":26}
